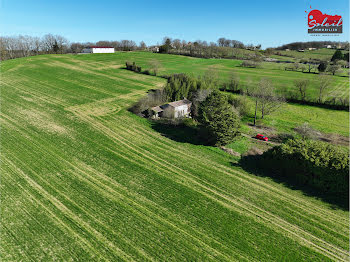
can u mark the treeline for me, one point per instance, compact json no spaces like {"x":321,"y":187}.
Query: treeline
{"x":314,"y":44}
{"x":22,"y":46}
{"x":324,"y":97}
{"x":223,"y":48}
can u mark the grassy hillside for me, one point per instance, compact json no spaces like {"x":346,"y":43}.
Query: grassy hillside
{"x":84,"y":179}
{"x":323,"y":54}
{"x":274,"y":71}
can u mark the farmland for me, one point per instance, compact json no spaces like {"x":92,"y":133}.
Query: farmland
{"x":84,"y":179}
{"x":275,"y":71}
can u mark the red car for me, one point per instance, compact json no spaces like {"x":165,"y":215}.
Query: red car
{"x":261,"y":137}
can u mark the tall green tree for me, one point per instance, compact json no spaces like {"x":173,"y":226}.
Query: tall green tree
{"x":322,"y":66}
{"x":219,"y":119}
{"x":338,"y":55}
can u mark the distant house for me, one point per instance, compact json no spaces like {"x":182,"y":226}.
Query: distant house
{"x":154,"y":49}
{"x":98,"y":49}
{"x":312,"y":48}
{"x":328,"y":46}
{"x":181,"y":108}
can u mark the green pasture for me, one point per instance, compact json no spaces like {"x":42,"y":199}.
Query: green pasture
{"x":83,"y":179}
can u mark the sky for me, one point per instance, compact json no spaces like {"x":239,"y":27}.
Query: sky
{"x":269,"y":23}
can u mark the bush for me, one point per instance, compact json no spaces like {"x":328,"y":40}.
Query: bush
{"x":133,"y":67}
{"x":241,"y":103}
{"x":249,"y":63}
{"x":306,"y":131}
{"x":152,"y":99}
{"x":318,"y":164}
{"x":219,"y":119}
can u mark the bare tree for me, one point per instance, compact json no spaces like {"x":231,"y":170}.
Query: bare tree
{"x":154,"y":66}
{"x":143,"y":45}
{"x":302,"y":85}
{"x":306,"y":131}
{"x":324,"y":84}
{"x":269,"y":101}
{"x":177,"y":44}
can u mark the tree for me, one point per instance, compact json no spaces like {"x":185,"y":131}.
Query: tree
{"x":55,"y":47}
{"x":219,"y":119}
{"x":338,"y":55}
{"x":342,"y":63}
{"x":233,"y":83}
{"x":306,"y":131}
{"x":310,"y":66}
{"x":221,"y":41}
{"x":322,"y":66}
{"x":296,"y":66}
{"x":324,"y":84}
{"x":165,"y":48}
{"x":154,"y":66}
{"x":143,"y":45}
{"x":302,"y":85}
{"x":333,"y":69}
{"x":269,"y":101}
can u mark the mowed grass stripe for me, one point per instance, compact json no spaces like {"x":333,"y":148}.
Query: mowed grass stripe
{"x":153,"y":215}
{"x":322,"y":245}
{"x":56,"y":249}
{"x":108,"y":176}
{"x":169,"y":153}
{"x":162,"y":142}
{"x":62,"y":208}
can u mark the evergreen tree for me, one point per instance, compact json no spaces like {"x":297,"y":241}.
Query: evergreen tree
{"x":322,"y":67}
{"x":219,"y":119}
{"x":338,"y":55}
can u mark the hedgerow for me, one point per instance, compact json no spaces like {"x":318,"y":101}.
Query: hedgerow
{"x":311,"y":162}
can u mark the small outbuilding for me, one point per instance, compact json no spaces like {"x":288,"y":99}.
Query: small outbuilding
{"x":99,"y":49}
{"x":181,"y":108}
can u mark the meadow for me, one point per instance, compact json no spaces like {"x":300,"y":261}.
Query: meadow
{"x":323,"y":54}
{"x":276,"y":72}
{"x":83,"y":179}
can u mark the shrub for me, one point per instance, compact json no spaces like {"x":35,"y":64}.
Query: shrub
{"x":306,"y":131}
{"x":219,"y":119}
{"x":241,"y":103}
{"x":315,"y":163}
{"x":249,"y":63}
{"x":152,"y":99}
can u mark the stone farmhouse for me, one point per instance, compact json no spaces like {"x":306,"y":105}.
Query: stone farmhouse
{"x":181,"y":108}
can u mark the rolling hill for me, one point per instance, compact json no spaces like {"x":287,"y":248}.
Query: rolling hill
{"x":83,"y":179}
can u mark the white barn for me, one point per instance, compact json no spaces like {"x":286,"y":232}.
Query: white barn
{"x":98,"y":49}
{"x":181,"y":108}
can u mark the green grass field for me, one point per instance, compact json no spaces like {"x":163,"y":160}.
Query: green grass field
{"x":323,"y":54}
{"x":83,"y":179}
{"x":274,"y":71}
{"x":290,"y":116}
